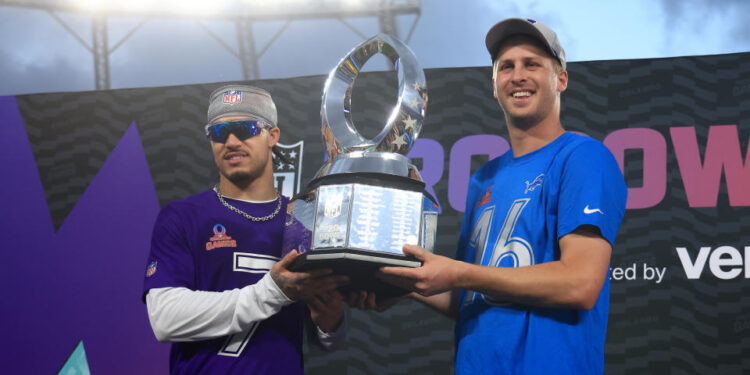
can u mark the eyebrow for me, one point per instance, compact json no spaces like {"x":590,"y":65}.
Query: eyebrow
{"x":523,"y":59}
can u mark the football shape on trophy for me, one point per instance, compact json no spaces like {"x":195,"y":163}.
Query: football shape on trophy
{"x":367,"y":200}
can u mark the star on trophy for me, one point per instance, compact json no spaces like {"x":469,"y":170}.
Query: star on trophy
{"x":367,"y":200}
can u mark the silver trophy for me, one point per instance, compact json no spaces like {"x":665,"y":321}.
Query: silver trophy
{"x":367,"y":200}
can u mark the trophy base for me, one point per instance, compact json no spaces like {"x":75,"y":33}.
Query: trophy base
{"x":359,"y":265}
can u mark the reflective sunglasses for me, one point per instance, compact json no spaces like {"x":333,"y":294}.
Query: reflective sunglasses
{"x":241,"y":129}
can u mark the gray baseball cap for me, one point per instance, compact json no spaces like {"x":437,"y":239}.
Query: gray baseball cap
{"x":238,"y":100}
{"x":524,"y":26}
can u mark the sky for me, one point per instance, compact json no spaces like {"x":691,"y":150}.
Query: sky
{"x":38,"y":55}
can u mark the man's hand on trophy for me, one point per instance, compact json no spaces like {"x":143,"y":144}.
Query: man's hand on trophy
{"x":436,"y":275}
{"x":327,"y":310}
{"x":304,"y":285}
{"x":365,"y":300}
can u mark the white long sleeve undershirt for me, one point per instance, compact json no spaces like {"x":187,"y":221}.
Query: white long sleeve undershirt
{"x":180,"y":314}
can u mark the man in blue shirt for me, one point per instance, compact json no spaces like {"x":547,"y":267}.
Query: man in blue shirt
{"x":528,"y":287}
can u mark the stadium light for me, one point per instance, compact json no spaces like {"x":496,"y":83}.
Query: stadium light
{"x":243,"y":13}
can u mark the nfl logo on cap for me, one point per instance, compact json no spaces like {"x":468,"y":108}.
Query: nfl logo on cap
{"x":231,"y":97}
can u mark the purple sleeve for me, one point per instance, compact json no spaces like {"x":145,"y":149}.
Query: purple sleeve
{"x":170,"y":262}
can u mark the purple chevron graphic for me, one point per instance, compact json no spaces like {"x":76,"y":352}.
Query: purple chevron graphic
{"x":82,"y":283}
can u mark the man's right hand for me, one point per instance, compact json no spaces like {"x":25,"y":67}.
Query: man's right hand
{"x":304,"y":285}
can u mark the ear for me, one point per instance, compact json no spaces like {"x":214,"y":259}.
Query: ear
{"x":562,"y":81}
{"x":494,"y":79}
{"x":273,"y":136}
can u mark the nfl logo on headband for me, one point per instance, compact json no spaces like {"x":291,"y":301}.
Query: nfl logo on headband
{"x":231,"y":97}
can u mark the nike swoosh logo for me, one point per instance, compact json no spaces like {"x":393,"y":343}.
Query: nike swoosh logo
{"x":589,"y":211}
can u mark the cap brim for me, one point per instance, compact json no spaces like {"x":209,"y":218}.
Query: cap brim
{"x":512,"y":26}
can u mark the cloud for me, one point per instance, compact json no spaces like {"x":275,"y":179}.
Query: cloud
{"x":172,"y":52}
{"x":690,"y":19}
{"x":39,"y":55}
{"x":53,"y":74}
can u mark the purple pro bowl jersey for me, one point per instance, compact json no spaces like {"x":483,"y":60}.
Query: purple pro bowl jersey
{"x":200,"y":244}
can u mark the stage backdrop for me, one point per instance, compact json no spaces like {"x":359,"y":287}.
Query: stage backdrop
{"x":86,"y":173}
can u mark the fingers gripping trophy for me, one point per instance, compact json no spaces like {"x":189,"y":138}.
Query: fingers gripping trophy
{"x":367,"y":200}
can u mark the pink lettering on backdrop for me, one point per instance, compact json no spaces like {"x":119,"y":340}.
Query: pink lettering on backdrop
{"x":654,"y":163}
{"x":702,"y":178}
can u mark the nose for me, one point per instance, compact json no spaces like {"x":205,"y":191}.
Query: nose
{"x":518,"y":75}
{"x":233,"y":141}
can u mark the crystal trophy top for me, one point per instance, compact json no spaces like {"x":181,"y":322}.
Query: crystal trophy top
{"x":367,"y":200}
{"x":347,"y":150}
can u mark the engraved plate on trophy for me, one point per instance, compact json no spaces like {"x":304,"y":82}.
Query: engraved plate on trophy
{"x":384,"y":219}
{"x":367,"y":200}
{"x":332,"y":224}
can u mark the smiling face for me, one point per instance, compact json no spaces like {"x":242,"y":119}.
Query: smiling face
{"x":242,"y":162}
{"x":527,"y":83}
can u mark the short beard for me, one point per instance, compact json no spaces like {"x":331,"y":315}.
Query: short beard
{"x":523,"y":123}
{"x":241,"y":179}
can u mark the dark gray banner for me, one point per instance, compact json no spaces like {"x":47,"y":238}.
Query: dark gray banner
{"x":679,"y":128}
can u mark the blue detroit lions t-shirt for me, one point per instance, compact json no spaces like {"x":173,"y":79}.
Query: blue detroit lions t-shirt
{"x":199,"y":244}
{"x":517,"y":209}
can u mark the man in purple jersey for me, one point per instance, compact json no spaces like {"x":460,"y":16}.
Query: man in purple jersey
{"x":217,"y":285}
{"x":528,"y":286}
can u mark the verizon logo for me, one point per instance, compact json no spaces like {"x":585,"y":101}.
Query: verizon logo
{"x":724,"y":262}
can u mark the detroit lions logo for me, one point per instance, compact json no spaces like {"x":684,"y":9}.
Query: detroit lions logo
{"x":530,"y":186}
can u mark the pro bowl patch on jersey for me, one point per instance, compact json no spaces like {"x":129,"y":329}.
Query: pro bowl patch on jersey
{"x":288,"y":174}
{"x":231,"y":97}
{"x":486,"y":197}
{"x":151,"y":269}
{"x":220,"y":239}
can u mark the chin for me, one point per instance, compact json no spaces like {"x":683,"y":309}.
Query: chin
{"x":239,"y":178}
{"x":524,"y":122}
